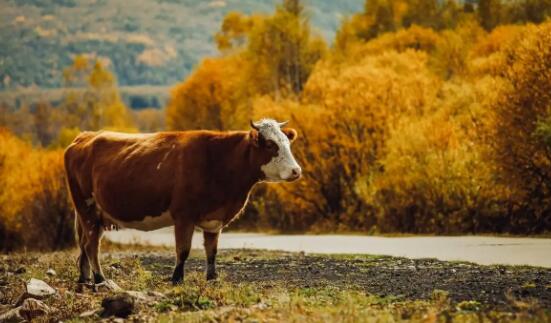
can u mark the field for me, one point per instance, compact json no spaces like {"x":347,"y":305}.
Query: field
{"x":275,"y":286}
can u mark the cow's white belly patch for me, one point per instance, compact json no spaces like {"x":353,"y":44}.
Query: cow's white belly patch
{"x":211,"y":225}
{"x":148,"y":223}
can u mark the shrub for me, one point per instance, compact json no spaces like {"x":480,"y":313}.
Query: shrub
{"x":520,"y":150}
{"x":35,"y":211}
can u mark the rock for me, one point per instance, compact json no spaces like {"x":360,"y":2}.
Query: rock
{"x":89,"y":313}
{"x":120,"y":305}
{"x":38,"y":288}
{"x":138,"y":296}
{"x":145,"y":298}
{"x":12,"y":315}
{"x":156,"y":295}
{"x":4,"y":308}
{"x":33,"y":308}
{"x":107,"y":286}
{"x":51,"y":272}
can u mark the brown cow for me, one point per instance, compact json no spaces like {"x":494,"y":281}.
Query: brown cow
{"x":187,"y":179}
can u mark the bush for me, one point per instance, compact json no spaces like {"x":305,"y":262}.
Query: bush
{"x":520,"y":147}
{"x":35,"y":211}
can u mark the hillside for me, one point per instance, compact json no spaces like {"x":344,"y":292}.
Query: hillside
{"x":145,"y":42}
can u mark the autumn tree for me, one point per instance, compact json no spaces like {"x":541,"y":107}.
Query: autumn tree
{"x":33,"y":196}
{"x":283,"y":51}
{"x":271,"y":55}
{"x":93,"y":101}
{"x":522,"y":110}
{"x":213,"y":97}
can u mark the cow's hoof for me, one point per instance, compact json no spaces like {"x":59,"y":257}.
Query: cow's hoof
{"x":212,"y":276}
{"x":177,"y":281}
{"x":82,"y":285}
{"x":107,"y":286}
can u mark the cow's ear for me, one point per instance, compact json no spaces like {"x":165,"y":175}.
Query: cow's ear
{"x":253,"y":137}
{"x":290,"y":133}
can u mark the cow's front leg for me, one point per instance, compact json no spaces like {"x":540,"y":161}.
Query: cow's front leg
{"x":211,"y":247}
{"x":184,"y":232}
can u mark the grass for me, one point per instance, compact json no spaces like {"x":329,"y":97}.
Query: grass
{"x":240,"y":297}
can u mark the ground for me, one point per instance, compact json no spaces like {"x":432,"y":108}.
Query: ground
{"x":259,"y":285}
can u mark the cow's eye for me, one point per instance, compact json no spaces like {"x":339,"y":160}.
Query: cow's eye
{"x":270,"y":145}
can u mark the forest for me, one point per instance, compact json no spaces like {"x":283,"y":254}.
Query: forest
{"x":422,"y":116}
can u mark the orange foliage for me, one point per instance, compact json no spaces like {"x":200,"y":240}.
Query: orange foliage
{"x":410,"y":130}
{"x":35,"y":210}
{"x":210,"y":98}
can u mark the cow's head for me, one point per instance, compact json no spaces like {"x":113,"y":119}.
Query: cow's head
{"x":273,"y":145}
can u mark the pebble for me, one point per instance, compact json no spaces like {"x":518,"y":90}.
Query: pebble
{"x":107,"y":285}
{"x":13,"y":315}
{"x":33,"y":308}
{"x":89,"y":313}
{"x":30,"y":309}
{"x":51,"y":272}
{"x":38,"y":288}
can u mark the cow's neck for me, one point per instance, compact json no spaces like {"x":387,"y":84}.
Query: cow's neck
{"x":238,"y":167}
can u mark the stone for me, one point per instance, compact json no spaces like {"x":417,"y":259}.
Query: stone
{"x":38,"y":288}
{"x":107,"y":286}
{"x":33,"y":308}
{"x":89,"y":313}
{"x":119,"y":305}
{"x":12,"y":315}
{"x":51,"y":272}
{"x":138,"y":296}
{"x":156,"y":295}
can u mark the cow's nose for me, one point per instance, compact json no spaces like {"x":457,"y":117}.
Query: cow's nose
{"x":295,"y":172}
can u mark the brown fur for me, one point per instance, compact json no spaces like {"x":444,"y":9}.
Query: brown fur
{"x":196,"y":175}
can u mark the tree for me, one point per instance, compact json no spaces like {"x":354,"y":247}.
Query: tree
{"x":213,"y":97}
{"x":282,"y":51}
{"x":522,"y":110}
{"x":93,"y":101}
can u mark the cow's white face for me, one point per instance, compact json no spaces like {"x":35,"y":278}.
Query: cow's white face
{"x":282,"y":166}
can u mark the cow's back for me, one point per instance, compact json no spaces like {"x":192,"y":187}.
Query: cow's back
{"x":128,"y":176}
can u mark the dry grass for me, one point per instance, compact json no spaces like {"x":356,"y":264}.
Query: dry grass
{"x":243,"y":298}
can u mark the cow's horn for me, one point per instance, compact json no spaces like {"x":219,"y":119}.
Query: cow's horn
{"x":254,"y":126}
{"x":282,"y":124}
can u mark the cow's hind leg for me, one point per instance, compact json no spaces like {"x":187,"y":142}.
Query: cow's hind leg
{"x":211,"y":247}
{"x":83,"y":263}
{"x":92,"y":248}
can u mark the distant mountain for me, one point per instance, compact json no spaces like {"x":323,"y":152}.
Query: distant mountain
{"x":146,"y":42}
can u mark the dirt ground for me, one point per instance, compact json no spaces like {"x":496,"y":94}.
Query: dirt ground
{"x":270,"y":286}
{"x":493,"y":286}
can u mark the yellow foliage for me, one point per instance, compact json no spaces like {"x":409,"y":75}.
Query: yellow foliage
{"x":415,"y":37}
{"x":523,"y":102}
{"x":34,"y":207}
{"x":98,"y":105}
{"x":211,"y":98}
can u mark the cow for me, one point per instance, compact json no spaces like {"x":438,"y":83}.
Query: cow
{"x":189,"y":179}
